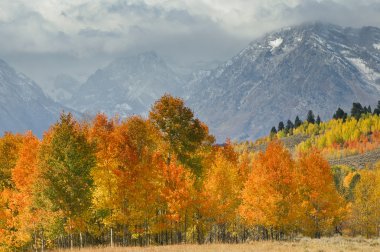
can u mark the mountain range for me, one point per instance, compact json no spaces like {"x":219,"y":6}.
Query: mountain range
{"x":284,"y":74}
{"x":128,"y":85}
{"x":23,"y":104}
{"x":276,"y":77}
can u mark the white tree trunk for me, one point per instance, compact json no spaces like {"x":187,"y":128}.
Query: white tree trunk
{"x":111,"y":237}
{"x":81,"y":240}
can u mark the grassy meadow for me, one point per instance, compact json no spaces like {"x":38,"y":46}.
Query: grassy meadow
{"x":304,"y":244}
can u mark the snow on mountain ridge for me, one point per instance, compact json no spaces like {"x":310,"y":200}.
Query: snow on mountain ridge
{"x":309,"y":69}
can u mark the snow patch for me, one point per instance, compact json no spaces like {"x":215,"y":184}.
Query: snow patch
{"x":276,"y":43}
{"x":123,"y":107}
{"x":368,"y":72}
{"x":376,"y":46}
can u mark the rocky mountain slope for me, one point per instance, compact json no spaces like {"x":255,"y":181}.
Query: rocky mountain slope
{"x":285,"y":73}
{"x":23,"y":105}
{"x":127,"y":86}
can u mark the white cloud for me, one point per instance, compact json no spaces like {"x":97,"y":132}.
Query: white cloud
{"x":38,"y":24}
{"x":182,"y":30}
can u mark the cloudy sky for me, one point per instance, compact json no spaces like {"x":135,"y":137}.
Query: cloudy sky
{"x":44,"y":38}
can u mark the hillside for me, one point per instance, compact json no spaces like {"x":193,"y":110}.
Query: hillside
{"x":283,"y":74}
{"x":351,"y":142}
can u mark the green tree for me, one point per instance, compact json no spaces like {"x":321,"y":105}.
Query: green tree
{"x":281,"y":126}
{"x":66,"y":162}
{"x":357,"y":110}
{"x":273,"y":131}
{"x":376,"y":111}
{"x":310,"y":117}
{"x":340,"y":114}
{"x":318,"y":121}
{"x":184,"y":133}
{"x":289,"y":127}
{"x":297,"y":122}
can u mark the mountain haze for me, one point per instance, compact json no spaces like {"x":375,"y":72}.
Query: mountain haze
{"x":127,"y":86}
{"x":23,"y":105}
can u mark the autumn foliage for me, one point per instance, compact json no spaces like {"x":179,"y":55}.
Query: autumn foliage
{"x":162,"y":180}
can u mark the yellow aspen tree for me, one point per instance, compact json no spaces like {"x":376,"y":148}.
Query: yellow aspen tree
{"x":365,"y":209}
{"x":221,"y":190}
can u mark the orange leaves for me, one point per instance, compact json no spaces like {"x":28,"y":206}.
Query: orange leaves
{"x":269,"y":195}
{"x":26,"y":171}
{"x":322,"y":207}
{"x":16,"y":217}
{"x":178,"y":190}
{"x":285,"y":194}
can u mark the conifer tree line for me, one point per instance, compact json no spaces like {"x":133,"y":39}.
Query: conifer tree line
{"x":357,"y":111}
{"x":162,"y":180}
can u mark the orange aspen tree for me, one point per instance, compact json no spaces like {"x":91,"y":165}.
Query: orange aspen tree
{"x":269,"y":198}
{"x":322,"y":209}
{"x":179,"y":196}
{"x":10,"y":145}
{"x":138,"y":176}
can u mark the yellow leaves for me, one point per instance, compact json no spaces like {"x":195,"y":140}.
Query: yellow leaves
{"x":336,"y":138}
{"x":348,"y":179}
{"x":222,"y":186}
{"x":365,"y":212}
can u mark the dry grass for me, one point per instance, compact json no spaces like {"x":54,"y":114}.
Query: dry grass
{"x":324,"y":244}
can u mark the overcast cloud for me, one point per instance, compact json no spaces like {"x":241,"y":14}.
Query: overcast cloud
{"x":46,"y":37}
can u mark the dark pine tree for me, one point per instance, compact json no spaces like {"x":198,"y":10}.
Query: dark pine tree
{"x":318,"y":121}
{"x":357,"y":110}
{"x":281,"y":126}
{"x":289,"y":127}
{"x":273,"y":130}
{"x":369,"y":109}
{"x":340,"y":114}
{"x":310,"y":117}
{"x":376,"y":111}
{"x":297,"y":122}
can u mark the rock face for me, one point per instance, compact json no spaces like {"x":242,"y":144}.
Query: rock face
{"x":23,"y":105}
{"x":286,"y":73}
{"x":127,"y":86}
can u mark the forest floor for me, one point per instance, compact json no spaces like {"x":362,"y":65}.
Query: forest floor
{"x":304,"y":244}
